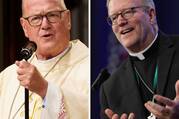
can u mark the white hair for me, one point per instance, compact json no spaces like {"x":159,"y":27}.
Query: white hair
{"x":62,"y":4}
{"x":149,"y":3}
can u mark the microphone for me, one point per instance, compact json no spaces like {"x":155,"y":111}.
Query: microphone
{"x":26,"y":53}
{"x":28,"y":50}
{"x":102,"y":76}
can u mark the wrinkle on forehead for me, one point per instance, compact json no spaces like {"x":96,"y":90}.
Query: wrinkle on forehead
{"x":41,"y":5}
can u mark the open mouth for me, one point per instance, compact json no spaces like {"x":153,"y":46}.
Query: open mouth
{"x":123,"y":32}
{"x":47,"y":35}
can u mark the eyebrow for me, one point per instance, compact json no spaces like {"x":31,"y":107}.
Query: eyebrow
{"x":117,"y":11}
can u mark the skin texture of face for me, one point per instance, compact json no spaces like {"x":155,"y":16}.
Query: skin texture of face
{"x":136,"y":33}
{"x":51,"y":38}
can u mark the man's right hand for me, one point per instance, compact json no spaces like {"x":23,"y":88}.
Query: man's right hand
{"x":111,"y":115}
{"x":30,"y":78}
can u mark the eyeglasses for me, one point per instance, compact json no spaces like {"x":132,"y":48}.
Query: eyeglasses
{"x":52,"y":17}
{"x":125,"y":14}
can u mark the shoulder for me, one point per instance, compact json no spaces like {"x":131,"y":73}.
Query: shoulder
{"x":77,"y":55}
{"x":79,"y":51}
{"x":11,"y":68}
{"x":174,"y":38}
{"x":8,"y":72}
{"x":78,"y":45}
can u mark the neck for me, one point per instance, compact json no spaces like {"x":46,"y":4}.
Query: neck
{"x":140,"y":53}
{"x":143,"y":44}
{"x":47,"y":56}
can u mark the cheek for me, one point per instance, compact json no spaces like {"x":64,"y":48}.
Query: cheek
{"x":143,"y":28}
{"x":33,"y":34}
{"x":139,"y":26}
{"x":115,"y":29}
{"x":61,"y":28}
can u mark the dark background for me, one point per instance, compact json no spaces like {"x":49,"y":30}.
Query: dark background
{"x":103,"y":41}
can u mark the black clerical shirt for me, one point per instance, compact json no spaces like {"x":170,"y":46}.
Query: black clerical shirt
{"x":146,"y":68}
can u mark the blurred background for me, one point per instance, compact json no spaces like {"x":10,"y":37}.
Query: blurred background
{"x":106,"y":52}
{"x":12,"y":38}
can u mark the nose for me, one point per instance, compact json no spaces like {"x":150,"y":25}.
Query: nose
{"x":121,"y":21}
{"x":45,"y":25}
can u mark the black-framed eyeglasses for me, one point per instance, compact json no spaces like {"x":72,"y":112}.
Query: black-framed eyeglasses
{"x":52,"y":17}
{"x":125,"y":14}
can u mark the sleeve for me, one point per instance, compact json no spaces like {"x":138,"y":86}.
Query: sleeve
{"x":53,"y":103}
{"x":1,"y":83}
{"x":103,"y":102}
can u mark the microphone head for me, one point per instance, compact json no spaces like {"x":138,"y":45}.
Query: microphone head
{"x":28,"y":50}
{"x":102,"y":76}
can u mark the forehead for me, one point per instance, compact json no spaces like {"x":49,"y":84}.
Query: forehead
{"x":117,"y":5}
{"x":38,"y":6}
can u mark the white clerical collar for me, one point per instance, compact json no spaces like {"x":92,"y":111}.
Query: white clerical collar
{"x":140,"y":54}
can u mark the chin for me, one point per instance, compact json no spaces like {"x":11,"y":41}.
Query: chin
{"x":128,"y":43}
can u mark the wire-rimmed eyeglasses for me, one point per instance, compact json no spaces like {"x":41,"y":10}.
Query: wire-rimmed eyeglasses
{"x":125,"y":14}
{"x":52,"y":17}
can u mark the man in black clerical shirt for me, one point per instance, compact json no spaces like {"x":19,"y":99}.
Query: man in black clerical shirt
{"x":151,"y":68}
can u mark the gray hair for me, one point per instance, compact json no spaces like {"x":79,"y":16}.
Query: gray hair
{"x":149,"y":3}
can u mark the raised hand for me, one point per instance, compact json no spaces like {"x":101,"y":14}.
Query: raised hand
{"x":111,"y":115}
{"x":170,"y":110}
{"x":30,"y":78}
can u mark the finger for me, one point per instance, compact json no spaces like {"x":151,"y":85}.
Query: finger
{"x":177,"y":90}
{"x":164,"y":100}
{"x":23,"y":77}
{"x":115,"y":116}
{"x":123,"y":116}
{"x":175,"y":114}
{"x":109,"y":113}
{"x":25,"y":83}
{"x":22,"y":64}
{"x":20,"y":71}
{"x":131,"y":116}
{"x":158,"y":110}
{"x":17,"y":63}
{"x":149,"y":107}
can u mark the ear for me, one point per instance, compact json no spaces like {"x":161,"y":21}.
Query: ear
{"x":152,"y":15}
{"x":68,"y":19}
{"x":24,"y":26}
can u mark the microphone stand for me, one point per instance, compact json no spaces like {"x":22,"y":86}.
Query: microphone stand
{"x":26,"y":53}
{"x":26,"y":100}
{"x":26,"y":103}
{"x":102,"y":76}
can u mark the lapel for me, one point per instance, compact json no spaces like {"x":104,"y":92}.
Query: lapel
{"x":132,"y":86}
{"x":131,"y":81}
{"x":165,"y":55}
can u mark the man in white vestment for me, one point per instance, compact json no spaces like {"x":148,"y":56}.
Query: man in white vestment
{"x":56,"y":75}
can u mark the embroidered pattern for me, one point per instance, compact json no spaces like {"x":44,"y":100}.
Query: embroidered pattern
{"x":62,"y":114}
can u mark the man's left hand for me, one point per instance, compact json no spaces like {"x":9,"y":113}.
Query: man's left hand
{"x":170,"y":110}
